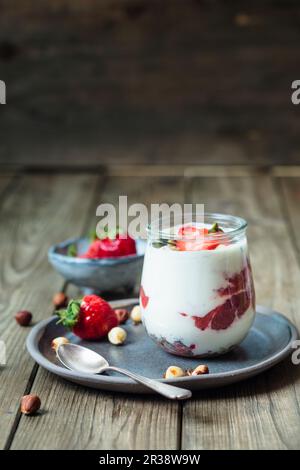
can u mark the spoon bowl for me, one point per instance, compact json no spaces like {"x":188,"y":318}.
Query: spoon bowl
{"x":82,"y":359}
{"x":85,"y":360}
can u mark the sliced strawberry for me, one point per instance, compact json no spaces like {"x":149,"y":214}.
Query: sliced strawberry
{"x":144,"y":298}
{"x":192,"y":232}
{"x":192,"y":240}
{"x":210,"y":244}
{"x":122,"y":315}
{"x":240,"y":288}
{"x":203,"y":322}
{"x":188,"y":231}
{"x":197,"y":245}
{"x":219,"y":318}
{"x":243,"y":302}
{"x":196,"y":239}
{"x":189,"y":245}
{"x":223,"y":316}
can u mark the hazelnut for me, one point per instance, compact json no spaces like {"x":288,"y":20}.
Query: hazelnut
{"x":117,"y":335}
{"x":174,"y":371}
{"x":122,"y":315}
{"x":200,"y":370}
{"x":30,"y":404}
{"x":136,"y":314}
{"x":23,"y":317}
{"x":56,"y":342}
{"x":60,"y":300}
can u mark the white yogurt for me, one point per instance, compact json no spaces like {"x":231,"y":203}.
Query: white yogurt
{"x":182,"y":285}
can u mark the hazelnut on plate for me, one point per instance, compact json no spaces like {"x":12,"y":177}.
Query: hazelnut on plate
{"x":117,"y":335}
{"x":174,"y":371}
{"x":30,"y":404}
{"x":199,"y":370}
{"x":56,"y":342}
{"x":136,"y":314}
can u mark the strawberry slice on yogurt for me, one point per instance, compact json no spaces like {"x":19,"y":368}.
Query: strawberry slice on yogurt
{"x":194,"y":238}
{"x":143,"y":297}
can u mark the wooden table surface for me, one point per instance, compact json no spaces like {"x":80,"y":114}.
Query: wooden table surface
{"x":40,"y":208}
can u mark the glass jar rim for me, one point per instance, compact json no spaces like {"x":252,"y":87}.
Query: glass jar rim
{"x":237,"y":229}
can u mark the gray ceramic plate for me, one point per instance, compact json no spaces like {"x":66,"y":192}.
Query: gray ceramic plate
{"x":268,"y":342}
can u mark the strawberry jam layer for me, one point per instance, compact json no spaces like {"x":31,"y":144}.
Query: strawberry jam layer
{"x":238,"y":295}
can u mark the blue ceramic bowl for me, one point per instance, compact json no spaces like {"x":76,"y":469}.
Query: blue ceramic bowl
{"x":100,"y":275}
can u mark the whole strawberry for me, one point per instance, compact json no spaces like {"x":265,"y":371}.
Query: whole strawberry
{"x":90,"y":318}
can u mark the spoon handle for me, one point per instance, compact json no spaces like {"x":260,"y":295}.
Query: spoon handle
{"x":168,"y":391}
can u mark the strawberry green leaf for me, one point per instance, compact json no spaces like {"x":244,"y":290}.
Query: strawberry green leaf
{"x":69,"y":316}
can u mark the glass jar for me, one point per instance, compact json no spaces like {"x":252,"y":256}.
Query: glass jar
{"x":197,"y":296}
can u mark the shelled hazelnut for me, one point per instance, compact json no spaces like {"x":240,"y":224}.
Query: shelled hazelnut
{"x":136,"y":315}
{"x":199,"y":370}
{"x":117,"y":335}
{"x":174,"y":371}
{"x":56,"y":342}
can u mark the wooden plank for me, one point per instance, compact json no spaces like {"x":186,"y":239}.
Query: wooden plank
{"x":120,"y":69}
{"x":290,"y":188}
{"x":39,"y":210}
{"x":221,"y":170}
{"x":187,"y":170}
{"x":5,"y":181}
{"x":79,"y":418}
{"x":288,"y":171}
{"x":147,"y":171}
{"x":261,"y":413}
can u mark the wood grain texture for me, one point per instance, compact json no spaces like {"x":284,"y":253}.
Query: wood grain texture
{"x":261,"y":413}
{"x":149,"y":81}
{"x":290,"y":191}
{"x":6,"y":179}
{"x":36,"y":212}
{"x":257,"y":414}
{"x":96,"y":420}
{"x":78,"y":418}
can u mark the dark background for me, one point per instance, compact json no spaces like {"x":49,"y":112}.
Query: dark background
{"x":149,"y":81}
